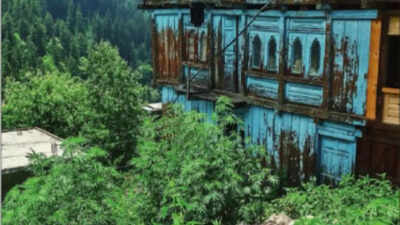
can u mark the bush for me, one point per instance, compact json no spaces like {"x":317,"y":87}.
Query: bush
{"x":116,"y":97}
{"x":364,"y":201}
{"x":72,"y":189}
{"x":190,"y":172}
{"x":54,"y":101}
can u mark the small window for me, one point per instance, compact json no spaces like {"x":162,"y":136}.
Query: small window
{"x":297,"y":61}
{"x":315,"y":57}
{"x":203,"y":47}
{"x":272,"y":54}
{"x":257,"y":52}
{"x":190,"y":47}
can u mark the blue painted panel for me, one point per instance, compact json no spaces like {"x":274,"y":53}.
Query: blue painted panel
{"x":168,"y":95}
{"x":164,"y":21}
{"x":225,"y":26}
{"x":307,"y":25}
{"x":264,"y":23}
{"x":355,"y":14}
{"x":337,"y":157}
{"x":304,"y":94}
{"x":297,"y":143}
{"x":350,"y":68}
{"x":337,"y":149}
{"x":261,"y":87}
{"x":289,"y":138}
{"x":336,"y":14}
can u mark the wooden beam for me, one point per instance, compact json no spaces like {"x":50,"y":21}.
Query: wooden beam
{"x":373,"y":69}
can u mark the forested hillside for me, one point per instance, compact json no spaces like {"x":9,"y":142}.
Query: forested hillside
{"x":64,"y":30}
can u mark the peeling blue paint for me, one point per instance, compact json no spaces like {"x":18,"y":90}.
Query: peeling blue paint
{"x":299,"y":145}
{"x":262,"y":87}
{"x":290,"y":138}
{"x":302,"y":93}
{"x":168,"y":95}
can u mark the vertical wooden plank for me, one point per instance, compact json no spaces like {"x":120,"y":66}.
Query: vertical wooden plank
{"x":154,"y":44}
{"x":373,"y":70}
{"x":363,"y":157}
{"x":181,"y":46}
{"x":211,"y":49}
{"x":327,"y":64}
{"x":236,"y":69}
{"x":383,"y":69}
{"x":390,"y":161}
{"x":377,"y":165}
{"x":282,"y":62}
{"x":245,"y":58}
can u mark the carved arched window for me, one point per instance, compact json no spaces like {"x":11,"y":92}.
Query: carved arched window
{"x":297,"y":54}
{"x":257,"y":52}
{"x":315,"y":57}
{"x":272,"y":54}
{"x":203,"y":47}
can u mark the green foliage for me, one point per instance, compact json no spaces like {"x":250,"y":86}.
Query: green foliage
{"x":115,"y":97}
{"x":105,"y":108}
{"x":365,"y":201}
{"x":189,"y":172}
{"x":73,"y":189}
{"x":54,"y":101}
{"x":67,"y":30}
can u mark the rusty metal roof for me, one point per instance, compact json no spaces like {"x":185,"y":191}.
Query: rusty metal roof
{"x":250,"y":3}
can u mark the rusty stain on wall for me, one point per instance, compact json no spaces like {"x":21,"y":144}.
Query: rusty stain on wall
{"x":345,"y":76}
{"x":168,"y":57}
{"x":288,"y":130}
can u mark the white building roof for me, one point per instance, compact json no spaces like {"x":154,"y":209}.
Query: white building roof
{"x":153,"y":107}
{"x":16,"y":145}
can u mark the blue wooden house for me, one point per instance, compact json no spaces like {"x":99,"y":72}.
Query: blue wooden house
{"x":317,"y":82}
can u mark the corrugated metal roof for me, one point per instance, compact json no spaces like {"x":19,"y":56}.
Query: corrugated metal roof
{"x":16,"y":145}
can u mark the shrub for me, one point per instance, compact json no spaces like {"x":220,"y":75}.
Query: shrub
{"x":115,"y":96}
{"x":73,"y":189}
{"x":364,"y":201}
{"x":53,"y":101}
{"x":190,"y":172}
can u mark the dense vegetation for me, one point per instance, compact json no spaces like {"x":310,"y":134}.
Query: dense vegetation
{"x":77,"y":189}
{"x":66,"y":30}
{"x":210,"y":179}
{"x":96,"y":108}
{"x":360,"y":202}
{"x":186,"y":172}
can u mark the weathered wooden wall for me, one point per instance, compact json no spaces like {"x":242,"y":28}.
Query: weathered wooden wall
{"x":166,"y":43}
{"x":308,"y":113}
{"x":331,"y":75}
{"x":300,"y":146}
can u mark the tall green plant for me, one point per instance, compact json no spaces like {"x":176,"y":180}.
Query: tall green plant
{"x":116,"y":97}
{"x":190,"y":172}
